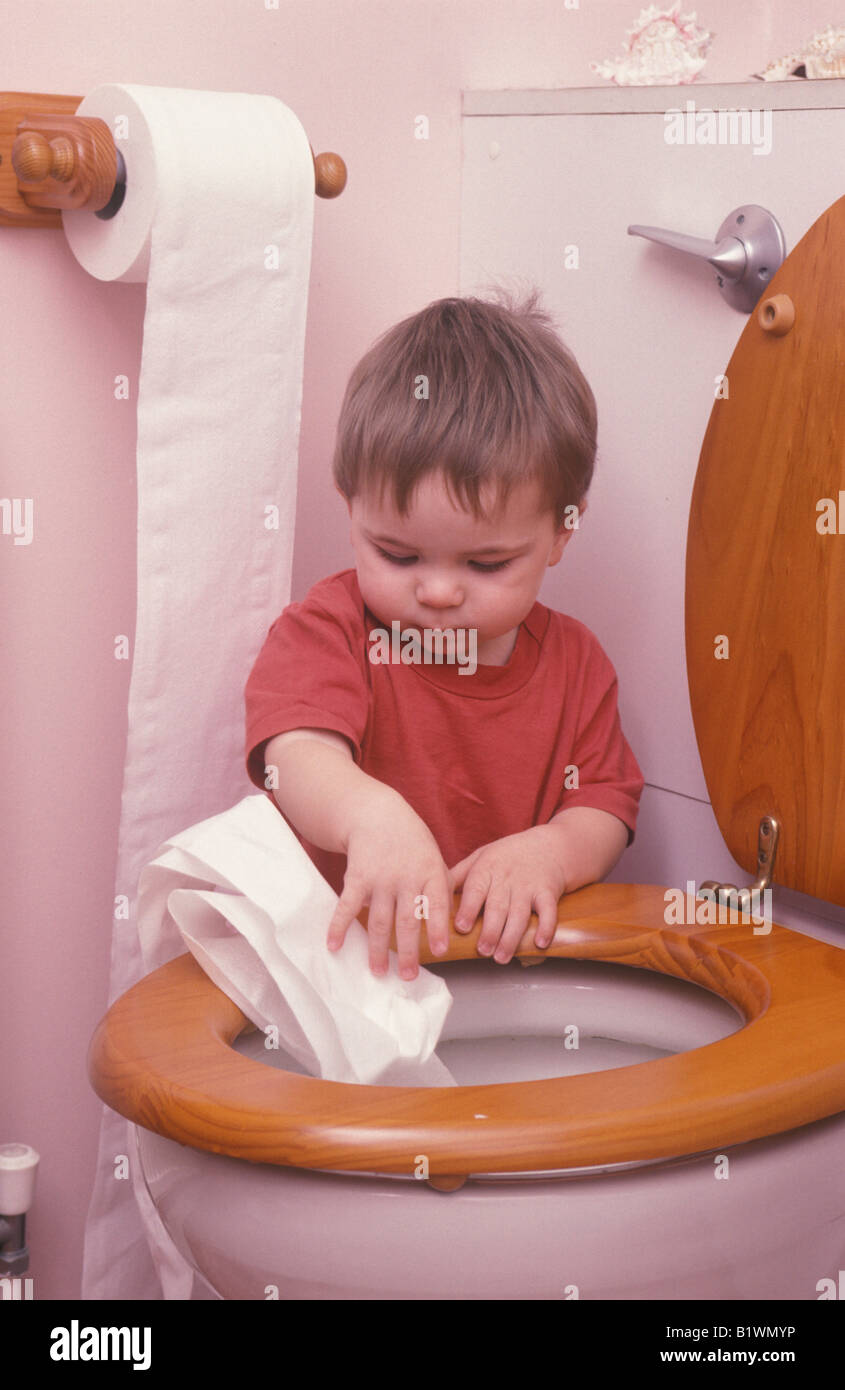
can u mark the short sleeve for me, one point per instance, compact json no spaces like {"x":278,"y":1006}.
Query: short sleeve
{"x":609,"y":777}
{"x":310,"y":673}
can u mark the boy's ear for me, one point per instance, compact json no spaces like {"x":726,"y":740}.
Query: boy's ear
{"x":565,"y":534}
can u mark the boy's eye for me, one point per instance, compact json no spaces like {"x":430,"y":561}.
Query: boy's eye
{"x":396,"y":559}
{"x":479,"y":565}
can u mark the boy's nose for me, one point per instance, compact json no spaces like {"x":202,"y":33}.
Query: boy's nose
{"x":439,"y":593}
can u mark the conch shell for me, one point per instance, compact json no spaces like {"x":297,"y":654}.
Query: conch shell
{"x":664,"y":48}
{"x":821,"y":56}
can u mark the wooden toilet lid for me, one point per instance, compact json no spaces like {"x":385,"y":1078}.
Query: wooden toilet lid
{"x":762,"y":574}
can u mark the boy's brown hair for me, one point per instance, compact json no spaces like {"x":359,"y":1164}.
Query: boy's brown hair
{"x":507,"y":402}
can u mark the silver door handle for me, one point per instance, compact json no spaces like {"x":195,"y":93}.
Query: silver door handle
{"x":749,"y":248}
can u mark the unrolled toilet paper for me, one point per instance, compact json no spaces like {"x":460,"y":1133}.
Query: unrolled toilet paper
{"x":217,"y":219}
{"x":239,"y":891}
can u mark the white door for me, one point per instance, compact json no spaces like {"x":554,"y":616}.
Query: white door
{"x":551,"y":182}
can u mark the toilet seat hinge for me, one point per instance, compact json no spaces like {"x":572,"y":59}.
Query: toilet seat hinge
{"x":748,"y":899}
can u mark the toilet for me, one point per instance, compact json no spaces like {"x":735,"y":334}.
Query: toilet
{"x":706,"y":1161}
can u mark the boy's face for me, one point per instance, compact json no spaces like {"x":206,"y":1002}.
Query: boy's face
{"x":442,"y":567}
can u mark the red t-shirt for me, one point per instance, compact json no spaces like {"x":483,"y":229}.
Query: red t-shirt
{"x":477,"y":756}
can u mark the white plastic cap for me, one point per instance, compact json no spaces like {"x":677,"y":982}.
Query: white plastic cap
{"x":18,"y":1163}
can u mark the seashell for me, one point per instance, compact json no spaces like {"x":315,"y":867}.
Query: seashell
{"x":664,"y":48}
{"x":821,"y":56}
{"x":780,"y":69}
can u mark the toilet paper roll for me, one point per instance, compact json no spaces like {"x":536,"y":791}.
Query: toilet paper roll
{"x":119,"y":248}
{"x":217,"y":219}
{"x":196,"y":154}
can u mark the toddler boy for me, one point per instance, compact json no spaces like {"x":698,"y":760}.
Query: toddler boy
{"x":465,"y":449}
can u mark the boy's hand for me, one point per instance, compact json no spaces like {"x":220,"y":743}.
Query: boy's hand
{"x":392,"y":859}
{"x":513,"y":876}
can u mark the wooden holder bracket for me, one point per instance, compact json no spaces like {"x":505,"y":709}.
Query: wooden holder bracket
{"x":51,"y":159}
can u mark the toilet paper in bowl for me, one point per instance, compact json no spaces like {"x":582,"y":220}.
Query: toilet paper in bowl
{"x":239,"y":891}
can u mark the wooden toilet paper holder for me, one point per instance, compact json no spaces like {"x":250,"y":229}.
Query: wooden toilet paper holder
{"x":51,"y":160}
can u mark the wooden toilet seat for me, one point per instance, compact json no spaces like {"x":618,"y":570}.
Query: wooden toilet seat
{"x":162,"y":1057}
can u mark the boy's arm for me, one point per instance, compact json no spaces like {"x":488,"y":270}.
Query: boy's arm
{"x":589,"y":843}
{"x":392,"y":857}
{"x":320,"y":789}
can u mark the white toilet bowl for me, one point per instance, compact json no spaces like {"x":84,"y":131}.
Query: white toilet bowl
{"x":762,"y":1220}
{"x":699,"y":1160}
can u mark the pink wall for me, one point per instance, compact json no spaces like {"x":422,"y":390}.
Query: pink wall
{"x":357,"y":72}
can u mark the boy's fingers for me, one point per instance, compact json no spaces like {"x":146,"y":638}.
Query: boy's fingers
{"x":546,"y":905}
{"x":496,"y":910}
{"x":407,"y":936}
{"x":388,"y":909}
{"x":471,"y":903}
{"x":518,"y":915}
{"x":348,"y":907}
{"x":380,"y":918}
{"x":439,"y":918}
{"x":459,"y":871}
